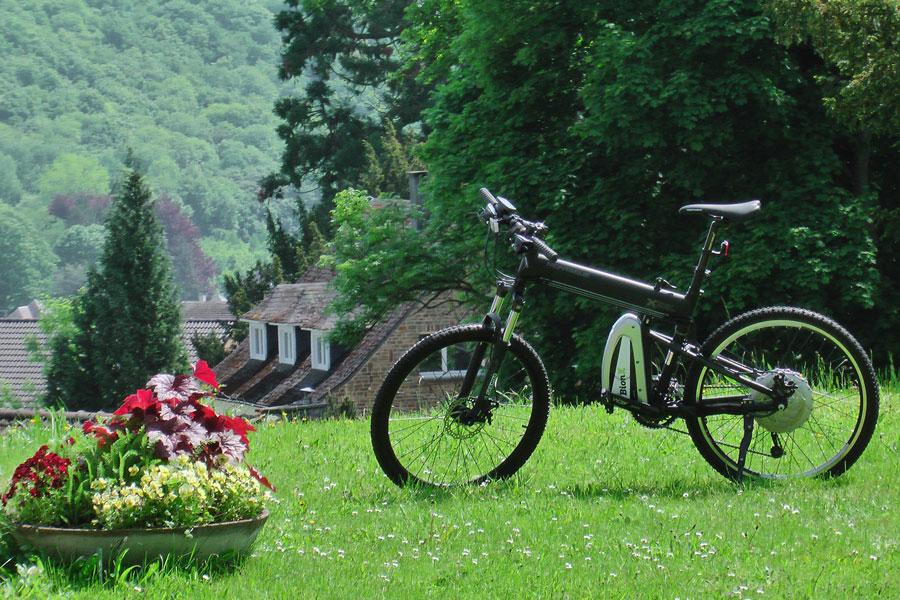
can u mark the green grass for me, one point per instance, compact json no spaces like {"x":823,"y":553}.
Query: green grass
{"x":605,"y":508}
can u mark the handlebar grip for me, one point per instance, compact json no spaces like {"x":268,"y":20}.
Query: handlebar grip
{"x":542,"y":247}
{"x":487,"y":195}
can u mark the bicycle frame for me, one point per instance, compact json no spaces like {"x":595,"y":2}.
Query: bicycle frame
{"x":626,"y":367}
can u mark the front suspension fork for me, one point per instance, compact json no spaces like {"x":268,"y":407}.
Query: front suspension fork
{"x":481,"y":407}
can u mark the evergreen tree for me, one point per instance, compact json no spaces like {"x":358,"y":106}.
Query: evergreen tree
{"x":127,"y":319}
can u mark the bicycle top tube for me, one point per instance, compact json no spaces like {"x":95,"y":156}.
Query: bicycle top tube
{"x":623,"y":292}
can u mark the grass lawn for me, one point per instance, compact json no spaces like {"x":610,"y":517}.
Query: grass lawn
{"x":604,"y":509}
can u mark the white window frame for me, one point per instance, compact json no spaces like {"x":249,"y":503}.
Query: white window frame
{"x":287,"y":344}
{"x":258,"y":343}
{"x":320,"y":350}
{"x":445,"y":373}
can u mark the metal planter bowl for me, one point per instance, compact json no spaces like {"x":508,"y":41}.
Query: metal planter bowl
{"x":143,"y":544}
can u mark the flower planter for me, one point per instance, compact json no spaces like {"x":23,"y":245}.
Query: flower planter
{"x":199,"y":543}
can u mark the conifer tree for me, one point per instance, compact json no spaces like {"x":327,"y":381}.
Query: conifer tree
{"x":127,"y":319}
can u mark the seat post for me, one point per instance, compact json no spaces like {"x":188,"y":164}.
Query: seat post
{"x":700,"y":271}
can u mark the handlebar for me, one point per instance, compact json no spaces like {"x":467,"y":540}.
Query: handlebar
{"x":524,"y":235}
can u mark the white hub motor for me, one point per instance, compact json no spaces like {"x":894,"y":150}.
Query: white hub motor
{"x":799,"y":404}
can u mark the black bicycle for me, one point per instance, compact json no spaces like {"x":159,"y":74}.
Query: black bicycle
{"x":773,"y":393}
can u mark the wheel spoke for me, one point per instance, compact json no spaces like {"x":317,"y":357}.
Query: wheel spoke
{"x":822,"y":429}
{"x":423,"y":428}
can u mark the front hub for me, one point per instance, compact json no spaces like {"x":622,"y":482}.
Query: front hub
{"x":462,"y":423}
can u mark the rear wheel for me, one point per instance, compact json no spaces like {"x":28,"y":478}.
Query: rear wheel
{"x":828,"y":419}
{"x":419,"y":432}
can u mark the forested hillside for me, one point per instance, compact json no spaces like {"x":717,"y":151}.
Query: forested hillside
{"x":189,"y":86}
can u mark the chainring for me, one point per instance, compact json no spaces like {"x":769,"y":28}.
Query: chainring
{"x":650,"y":423}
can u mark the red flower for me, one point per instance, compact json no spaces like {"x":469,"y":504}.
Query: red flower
{"x":43,"y":470}
{"x":205,"y":374}
{"x":238,"y":426}
{"x":259,"y":477}
{"x":142,"y":400}
{"x":104,"y":435}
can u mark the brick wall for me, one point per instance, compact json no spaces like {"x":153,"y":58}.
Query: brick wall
{"x":364,"y":385}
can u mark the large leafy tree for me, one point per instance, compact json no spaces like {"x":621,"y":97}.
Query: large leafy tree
{"x":861,"y":40}
{"x":858,"y":39}
{"x":357,"y":88}
{"x":351,"y":125}
{"x":602,"y":119}
{"x":126,"y":322}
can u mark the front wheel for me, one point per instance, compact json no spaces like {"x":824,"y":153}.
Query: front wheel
{"x":828,"y":419}
{"x":418,"y":430}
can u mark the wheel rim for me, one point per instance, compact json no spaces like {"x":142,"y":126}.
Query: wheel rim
{"x":430,"y":441}
{"x":827,"y":373}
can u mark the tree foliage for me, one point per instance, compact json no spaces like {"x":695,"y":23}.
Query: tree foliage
{"x":602,"y":119}
{"x":376,"y":244}
{"x":194,"y":272}
{"x":26,"y":266}
{"x":188,"y":85}
{"x":358,"y":96}
{"x":245,"y":291}
{"x":861,"y":40}
{"x":126,"y":322}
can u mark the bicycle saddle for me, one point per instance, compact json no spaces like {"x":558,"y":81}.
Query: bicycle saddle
{"x":733,"y":212}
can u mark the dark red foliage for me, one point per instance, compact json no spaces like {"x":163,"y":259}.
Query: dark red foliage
{"x":205,"y":374}
{"x":80,"y":209}
{"x":140,"y":401}
{"x":45,"y":470}
{"x":105,"y":435}
{"x":195,"y":271}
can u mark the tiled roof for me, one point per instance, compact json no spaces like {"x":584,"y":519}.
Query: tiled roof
{"x":215,"y":310}
{"x":24,"y":378}
{"x":317,"y":274}
{"x":301,"y":304}
{"x":32,"y":310}
{"x":201,"y":329}
{"x":266,"y":383}
{"x":358,"y":357}
{"x":203,"y":318}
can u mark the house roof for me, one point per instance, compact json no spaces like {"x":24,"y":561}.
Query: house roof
{"x":32,"y":310}
{"x":25,"y":379}
{"x":354,"y":361}
{"x":203,"y":318}
{"x":301,"y":304}
{"x":268,"y":383}
{"x":216,"y":310}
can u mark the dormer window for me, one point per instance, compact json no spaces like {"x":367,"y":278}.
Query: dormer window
{"x":258,"y":342}
{"x":320,"y":350}
{"x":287,"y":344}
